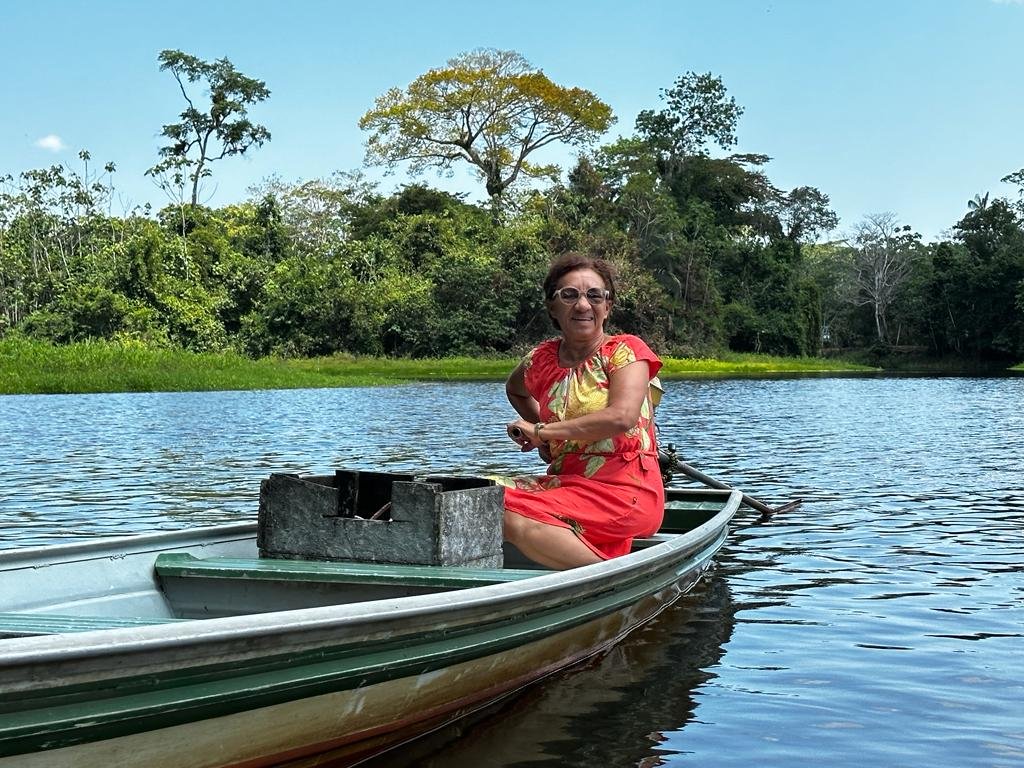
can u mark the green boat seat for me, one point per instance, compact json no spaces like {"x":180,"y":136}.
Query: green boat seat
{"x":177,"y":565}
{"x":650,"y":541}
{"x":27,"y":624}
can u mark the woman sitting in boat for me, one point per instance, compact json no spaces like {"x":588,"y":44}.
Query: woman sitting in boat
{"x":584,"y":403}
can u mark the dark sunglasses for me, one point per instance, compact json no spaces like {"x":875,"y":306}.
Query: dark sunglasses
{"x":570,"y":295}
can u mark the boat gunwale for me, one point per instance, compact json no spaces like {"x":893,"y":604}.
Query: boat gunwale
{"x":23,"y":557}
{"x":350,"y":617}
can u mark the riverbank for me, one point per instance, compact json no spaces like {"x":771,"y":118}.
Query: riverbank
{"x":30,"y":367}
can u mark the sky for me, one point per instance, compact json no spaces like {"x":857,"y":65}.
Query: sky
{"x":903,"y":106}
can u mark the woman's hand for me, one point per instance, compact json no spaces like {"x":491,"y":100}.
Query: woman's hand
{"x":523,"y":434}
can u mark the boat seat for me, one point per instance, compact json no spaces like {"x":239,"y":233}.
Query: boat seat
{"x":26,"y":624}
{"x":178,"y":565}
{"x":644,"y":542}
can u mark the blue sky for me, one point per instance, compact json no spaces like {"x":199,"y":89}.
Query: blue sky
{"x":909,"y":106}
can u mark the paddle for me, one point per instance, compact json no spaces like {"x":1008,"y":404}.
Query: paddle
{"x":669,"y":457}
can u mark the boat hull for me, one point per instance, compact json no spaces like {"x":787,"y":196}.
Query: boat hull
{"x":348,"y":680}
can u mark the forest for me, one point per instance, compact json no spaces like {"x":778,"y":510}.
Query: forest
{"x":712,"y":256}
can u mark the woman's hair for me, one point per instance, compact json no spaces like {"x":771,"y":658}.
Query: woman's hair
{"x":570,"y":261}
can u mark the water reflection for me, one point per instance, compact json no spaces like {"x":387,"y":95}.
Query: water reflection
{"x":638,"y":692}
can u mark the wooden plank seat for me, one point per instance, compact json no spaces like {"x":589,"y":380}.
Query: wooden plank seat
{"x":26,"y":624}
{"x":177,"y":565}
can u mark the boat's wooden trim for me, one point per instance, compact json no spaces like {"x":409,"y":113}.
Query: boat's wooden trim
{"x":176,"y":565}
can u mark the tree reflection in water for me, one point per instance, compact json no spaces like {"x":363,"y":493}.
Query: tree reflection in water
{"x":612,"y":711}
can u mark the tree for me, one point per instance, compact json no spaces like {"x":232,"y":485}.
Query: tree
{"x":1017,"y":178}
{"x":489,"y":108}
{"x":698,"y":113}
{"x":220,"y":130}
{"x":982,"y":287}
{"x":978,"y":203}
{"x":883,"y":261}
{"x":317,"y":214}
{"x":805,"y":214}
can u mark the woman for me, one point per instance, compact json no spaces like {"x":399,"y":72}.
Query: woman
{"x":583,"y":401}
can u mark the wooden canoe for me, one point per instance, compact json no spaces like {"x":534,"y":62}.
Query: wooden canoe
{"x":185,"y":649}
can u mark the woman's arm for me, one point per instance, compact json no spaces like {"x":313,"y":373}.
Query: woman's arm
{"x":627,"y":388}
{"x":519,"y":396}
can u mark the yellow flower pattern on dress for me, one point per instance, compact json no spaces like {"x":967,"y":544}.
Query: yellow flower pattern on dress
{"x":527,"y":483}
{"x":582,"y":390}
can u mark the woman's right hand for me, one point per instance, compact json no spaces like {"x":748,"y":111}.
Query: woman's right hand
{"x":520,"y":433}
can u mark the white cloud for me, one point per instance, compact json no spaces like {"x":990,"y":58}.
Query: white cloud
{"x":53,"y":143}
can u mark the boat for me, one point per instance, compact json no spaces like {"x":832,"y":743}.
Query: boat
{"x":193,"y":648}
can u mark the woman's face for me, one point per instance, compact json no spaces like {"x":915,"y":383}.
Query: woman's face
{"x":581,"y":319}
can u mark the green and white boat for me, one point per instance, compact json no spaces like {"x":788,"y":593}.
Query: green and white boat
{"x":186,"y":648}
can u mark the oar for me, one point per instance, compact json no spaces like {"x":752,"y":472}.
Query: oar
{"x":750,"y":501}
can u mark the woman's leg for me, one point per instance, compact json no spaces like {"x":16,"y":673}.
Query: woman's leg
{"x":549,"y":545}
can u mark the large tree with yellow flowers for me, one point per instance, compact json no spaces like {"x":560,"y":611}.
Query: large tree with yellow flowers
{"x":489,"y":108}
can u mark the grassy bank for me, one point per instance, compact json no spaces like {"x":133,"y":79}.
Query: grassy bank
{"x":737,"y":364}
{"x":28,"y":367}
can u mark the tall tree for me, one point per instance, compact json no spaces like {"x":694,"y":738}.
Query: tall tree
{"x":1017,"y":178}
{"x":805,"y":213}
{"x":489,"y":108}
{"x":883,"y":259}
{"x":983,"y":288}
{"x":698,"y":112}
{"x":207,"y":133}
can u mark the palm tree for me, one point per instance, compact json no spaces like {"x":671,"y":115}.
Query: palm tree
{"x":978,"y":204}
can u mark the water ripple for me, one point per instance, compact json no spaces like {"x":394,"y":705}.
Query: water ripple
{"x":878,"y":624}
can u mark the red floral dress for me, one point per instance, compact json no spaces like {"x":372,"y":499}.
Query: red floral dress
{"x":607,"y":491}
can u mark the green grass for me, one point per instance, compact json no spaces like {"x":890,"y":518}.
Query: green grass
{"x":30,"y":367}
{"x":733,"y":364}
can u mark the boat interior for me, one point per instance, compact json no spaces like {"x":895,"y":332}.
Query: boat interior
{"x":175,"y":576}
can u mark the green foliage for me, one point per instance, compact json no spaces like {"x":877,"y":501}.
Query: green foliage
{"x":302,"y":310}
{"x":489,"y":108}
{"x":214,"y":132}
{"x":805,"y":213}
{"x":771,"y":306}
{"x":981,"y":283}
{"x":698,"y":112}
{"x":92,"y":312}
{"x":712,"y":258}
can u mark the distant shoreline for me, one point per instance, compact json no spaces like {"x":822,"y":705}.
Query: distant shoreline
{"x":31,"y":367}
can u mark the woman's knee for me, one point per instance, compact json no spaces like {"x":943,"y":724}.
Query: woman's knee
{"x":513,"y":526}
{"x":523,"y":530}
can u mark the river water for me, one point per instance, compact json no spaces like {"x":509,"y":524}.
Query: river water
{"x":880,"y":624}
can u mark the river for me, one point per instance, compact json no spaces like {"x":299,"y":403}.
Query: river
{"x":881,"y":623}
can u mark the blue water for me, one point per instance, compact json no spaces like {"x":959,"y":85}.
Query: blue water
{"x":880,"y":624}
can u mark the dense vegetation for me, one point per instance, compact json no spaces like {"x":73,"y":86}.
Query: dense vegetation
{"x":712,"y":255}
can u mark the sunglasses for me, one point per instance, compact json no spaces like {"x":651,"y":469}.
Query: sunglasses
{"x":570,"y":295}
